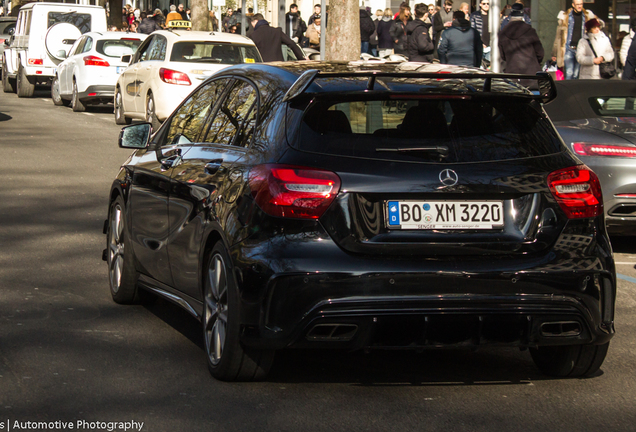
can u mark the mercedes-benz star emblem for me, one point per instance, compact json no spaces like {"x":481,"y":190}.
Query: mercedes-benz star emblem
{"x":448,"y":177}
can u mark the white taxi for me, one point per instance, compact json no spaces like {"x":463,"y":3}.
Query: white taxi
{"x":168,"y":65}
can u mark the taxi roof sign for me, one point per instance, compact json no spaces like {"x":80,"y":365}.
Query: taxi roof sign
{"x":179,"y":24}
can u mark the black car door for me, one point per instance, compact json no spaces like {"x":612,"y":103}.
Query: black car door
{"x":202,"y":188}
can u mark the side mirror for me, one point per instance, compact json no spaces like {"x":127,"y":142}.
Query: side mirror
{"x":135,"y":136}
{"x":126,"y":58}
{"x":61,"y":54}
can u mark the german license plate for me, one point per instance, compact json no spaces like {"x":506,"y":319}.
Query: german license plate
{"x":445,"y":215}
{"x":120,"y":69}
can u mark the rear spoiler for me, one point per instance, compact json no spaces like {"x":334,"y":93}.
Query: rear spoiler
{"x":546,"y":93}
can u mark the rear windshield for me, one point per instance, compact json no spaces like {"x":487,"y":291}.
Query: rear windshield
{"x":5,"y":26}
{"x":214,"y":52}
{"x":80,"y":20}
{"x":613,"y":106}
{"x":453,"y":130}
{"x":117,"y":47}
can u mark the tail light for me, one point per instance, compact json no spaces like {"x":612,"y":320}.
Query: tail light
{"x":35,"y":62}
{"x":174,"y":77}
{"x":587,"y":149}
{"x":95,"y":61}
{"x":292,"y":191}
{"x":578,"y":191}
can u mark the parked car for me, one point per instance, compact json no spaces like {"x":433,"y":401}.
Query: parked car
{"x":291,"y":205}
{"x":91,"y":68}
{"x":42,"y":31}
{"x":169,"y":65}
{"x":597,"y":120}
{"x":7,"y":28}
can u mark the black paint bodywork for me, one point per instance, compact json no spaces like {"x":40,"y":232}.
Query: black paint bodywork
{"x":400,"y":289}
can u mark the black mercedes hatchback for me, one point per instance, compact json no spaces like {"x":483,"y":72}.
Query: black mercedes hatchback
{"x":356,"y":206}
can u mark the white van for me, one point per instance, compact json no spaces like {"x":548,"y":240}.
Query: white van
{"x":43,"y":35}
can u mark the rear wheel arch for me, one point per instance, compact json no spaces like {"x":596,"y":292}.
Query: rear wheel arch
{"x":211,"y":240}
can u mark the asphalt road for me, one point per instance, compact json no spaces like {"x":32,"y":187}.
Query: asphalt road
{"x":68,"y":353}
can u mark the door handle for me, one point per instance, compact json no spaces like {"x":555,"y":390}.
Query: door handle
{"x":170,"y":162}
{"x":213,"y":166}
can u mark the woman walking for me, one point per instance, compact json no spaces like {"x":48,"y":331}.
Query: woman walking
{"x":398,"y":31}
{"x":385,"y":40}
{"x":593,"y":49}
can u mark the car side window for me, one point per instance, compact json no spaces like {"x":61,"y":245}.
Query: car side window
{"x":157,"y":50}
{"x":88,"y":45}
{"x":235,"y":119}
{"x":142,"y":53}
{"x":79,"y":46}
{"x":187,"y":122}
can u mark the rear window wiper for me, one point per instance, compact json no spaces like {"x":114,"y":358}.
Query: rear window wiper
{"x":437,"y":149}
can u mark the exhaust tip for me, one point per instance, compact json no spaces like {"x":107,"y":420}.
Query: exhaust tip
{"x":332,"y":332}
{"x":561,"y":328}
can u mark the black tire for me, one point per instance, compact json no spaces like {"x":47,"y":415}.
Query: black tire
{"x":25,"y":87}
{"x":8,"y":85}
{"x":120,"y":118}
{"x":151,"y":115}
{"x":227,"y":359}
{"x":76,"y":103}
{"x":56,"y":97}
{"x":121,"y":261}
{"x":569,"y":360}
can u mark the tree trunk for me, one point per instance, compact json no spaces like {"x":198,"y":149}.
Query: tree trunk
{"x":115,"y":12}
{"x":200,"y":15}
{"x":342,"y":40}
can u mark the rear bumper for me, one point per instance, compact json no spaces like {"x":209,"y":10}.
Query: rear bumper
{"x":98,"y":93}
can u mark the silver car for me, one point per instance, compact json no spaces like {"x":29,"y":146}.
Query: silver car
{"x":597,"y":120}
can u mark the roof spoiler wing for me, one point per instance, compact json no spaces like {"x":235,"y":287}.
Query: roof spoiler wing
{"x":546,"y":93}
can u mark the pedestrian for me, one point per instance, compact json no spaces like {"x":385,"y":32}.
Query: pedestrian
{"x":313,"y":16}
{"x":479,"y":21}
{"x":465,"y":7}
{"x":520,"y":47}
{"x":460,"y":44}
{"x":173,"y":15}
{"x":385,"y":40}
{"x":295,"y":27}
{"x":570,"y":30}
{"x":313,"y":33}
{"x":627,"y":41}
{"x":367,"y":28}
{"x":148,"y":24}
{"x":593,"y":49}
{"x":442,"y":20}
{"x":226,"y":19}
{"x":269,"y":40}
{"x":398,"y":31}
{"x":160,"y":18}
{"x":213,"y":22}
{"x":182,"y":12}
{"x":520,"y":6}
{"x":629,"y":70}
{"x":419,"y":45}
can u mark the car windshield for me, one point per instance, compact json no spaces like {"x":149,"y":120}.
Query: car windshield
{"x":613,"y":106}
{"x":117,"y":47}
{"x":214,"y":52}
{"x":425,"y":129}
{"x":80,"y":20}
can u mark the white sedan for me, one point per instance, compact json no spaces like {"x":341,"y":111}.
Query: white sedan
{"x":169,"y":65}
{"x":91,"y":67}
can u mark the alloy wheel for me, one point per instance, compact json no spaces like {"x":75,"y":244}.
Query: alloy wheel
{"x":116,"y":248}
{"x":216,"y":309}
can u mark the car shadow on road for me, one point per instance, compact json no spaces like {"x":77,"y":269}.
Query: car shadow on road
{"x":4,"y":117}
{"x":447,"y":367}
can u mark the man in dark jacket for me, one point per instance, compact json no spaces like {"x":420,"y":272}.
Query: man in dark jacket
{"x":629,"y":71}
{"x":148,"y":25}
{"x":460,"y":44}
{"x":269,"y":40}
{"x":442,"y":20}
{"x":520,"y":46}
{"x":479,"y":21}
{"x":419,"y":46}
{"x":295,"y":27}
{"x":367,"y":28}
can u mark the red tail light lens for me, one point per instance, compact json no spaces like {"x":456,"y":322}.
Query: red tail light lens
{"x":578,"y":191}
{"x":35,"y":62}
{"x":174,"y":77}
{"x":95,"y":61}
{"x":587,"y":149}
{"x":292,"y":191}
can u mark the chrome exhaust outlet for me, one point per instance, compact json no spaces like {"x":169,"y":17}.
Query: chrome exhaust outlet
{"x":561,"y":328}
{"x":332,"y":332}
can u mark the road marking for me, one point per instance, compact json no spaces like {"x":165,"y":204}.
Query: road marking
{"x":625,"y":263}
{"x":45,"y":100}
{"x":626,"y":278}
{"x":89,"y":114}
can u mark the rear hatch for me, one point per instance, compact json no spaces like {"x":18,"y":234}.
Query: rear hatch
{"x":441,"y":175}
